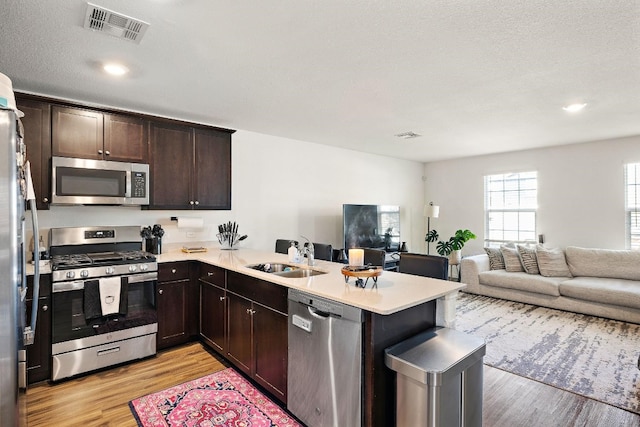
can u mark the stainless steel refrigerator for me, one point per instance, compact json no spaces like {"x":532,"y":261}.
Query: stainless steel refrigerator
{"x":15,"y":189}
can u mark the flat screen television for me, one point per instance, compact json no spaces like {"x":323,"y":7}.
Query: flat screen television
{"x":371,"y":226}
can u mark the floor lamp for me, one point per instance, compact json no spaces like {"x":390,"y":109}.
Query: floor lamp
{"x":430,"y":211}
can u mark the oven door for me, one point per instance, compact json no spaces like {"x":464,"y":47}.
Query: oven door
{"x":70,"y":322}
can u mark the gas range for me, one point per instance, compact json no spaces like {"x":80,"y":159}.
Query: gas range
{"x":103,"y":298}
{"x":93,"y":252}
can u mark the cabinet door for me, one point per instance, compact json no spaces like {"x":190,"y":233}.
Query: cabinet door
{"x":212,"y":315}
{"x":270,"y":350}
{"x":239,"y":326}
{"x":172,"y":316}
{"x":37,"y":137}
{"x":171,"y":167}
{"x":76,"y":133}
{"x":125,"y":138}
{"x":212,"y":169}
{"x":39,"y":353}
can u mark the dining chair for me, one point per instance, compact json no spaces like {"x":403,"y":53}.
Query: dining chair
{"x":424,"y":265}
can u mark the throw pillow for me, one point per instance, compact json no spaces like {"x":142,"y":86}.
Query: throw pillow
{"x":552,"y":262}
{"x":511,"y":259}
{"x":496,"y":261}
{"x":528,"y":258}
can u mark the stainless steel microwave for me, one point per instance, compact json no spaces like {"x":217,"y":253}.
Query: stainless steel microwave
{"x":98,"y":182}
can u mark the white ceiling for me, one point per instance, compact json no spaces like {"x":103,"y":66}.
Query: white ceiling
{"x":470,"y":76}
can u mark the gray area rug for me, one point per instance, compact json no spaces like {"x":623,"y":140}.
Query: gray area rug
{"x":587,"y":355}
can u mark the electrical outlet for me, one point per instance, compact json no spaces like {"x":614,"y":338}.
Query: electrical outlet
{"x":191,"y":234}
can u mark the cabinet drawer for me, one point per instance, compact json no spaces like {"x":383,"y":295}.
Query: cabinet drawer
{"x":212,"y":274}
{"x":260,"y":291}
{"x":173,"y":271}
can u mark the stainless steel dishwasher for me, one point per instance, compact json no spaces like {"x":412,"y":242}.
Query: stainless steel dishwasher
{"x":324,"y":381}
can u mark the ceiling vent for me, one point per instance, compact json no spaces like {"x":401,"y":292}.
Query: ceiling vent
{"x":113,"y":23}
{"x":407,"y":135}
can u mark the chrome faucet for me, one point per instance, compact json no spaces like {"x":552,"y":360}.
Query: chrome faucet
{"x":309,"y":251}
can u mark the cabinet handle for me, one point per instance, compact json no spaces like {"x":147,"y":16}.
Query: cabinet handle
{"x":248,"y":311}
{"x":209,"y":273}
{"x":46,"y":200}
{"x":107,"y":152}
{"x":45,"y":307}
{"x":191,"y":202}
{"x":222,"y":298}
{"x":251,"y":312}
{"x":197,"y":202}
{"x":99,"y":151}
{"x":173,"y":270}
{"x":160,"y":291}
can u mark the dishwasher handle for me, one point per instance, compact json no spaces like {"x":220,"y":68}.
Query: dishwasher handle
{"x":318,"y":313}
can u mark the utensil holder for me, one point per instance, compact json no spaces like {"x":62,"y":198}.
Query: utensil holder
{"x":154,"y":245}
{"x":227,"y":244}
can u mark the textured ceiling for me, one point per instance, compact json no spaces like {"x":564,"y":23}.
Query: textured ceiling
{"x":470,"y":76}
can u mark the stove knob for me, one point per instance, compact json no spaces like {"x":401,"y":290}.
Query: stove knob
{"x":144,"y":267}
{"x":71,"y":274}
{"x":84,"y":273}
{"x":132,"y":268}
{"x":109,"y":270}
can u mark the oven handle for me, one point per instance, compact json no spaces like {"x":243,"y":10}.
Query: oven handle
{"x":143,"y":277}
{"x":76,"y":285}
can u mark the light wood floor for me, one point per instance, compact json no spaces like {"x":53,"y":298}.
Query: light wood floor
{"x":102,"y":399}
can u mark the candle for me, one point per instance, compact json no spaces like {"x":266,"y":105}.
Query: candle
{"x":356,"y":257}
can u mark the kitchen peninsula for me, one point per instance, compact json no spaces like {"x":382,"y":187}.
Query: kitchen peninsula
{"x":396,"y":307}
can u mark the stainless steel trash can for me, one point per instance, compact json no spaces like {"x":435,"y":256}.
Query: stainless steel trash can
{"x":438,"y":379}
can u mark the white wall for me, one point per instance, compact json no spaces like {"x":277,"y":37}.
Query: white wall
{"x":580,"y":192}
{"x":282,"y":188}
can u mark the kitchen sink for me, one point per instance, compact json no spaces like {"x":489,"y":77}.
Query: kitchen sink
{"x":301,"y":272}
{"x":286,"y":270}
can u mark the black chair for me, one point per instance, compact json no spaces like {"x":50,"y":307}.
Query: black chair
{"x":424,"y":265}
{"x":374,"y":257}
{"x":322,"y":251}
{"x":282,"y":245}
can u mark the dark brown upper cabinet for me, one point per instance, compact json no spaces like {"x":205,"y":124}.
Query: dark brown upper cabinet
{"x":89,"y":134}
{"x":37,"y":137}
{"x":190,"y":167}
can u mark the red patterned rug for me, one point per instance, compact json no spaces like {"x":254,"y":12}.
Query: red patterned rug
{"x":223,"y":398}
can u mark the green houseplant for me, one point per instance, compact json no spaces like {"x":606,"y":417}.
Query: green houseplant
{"x":451,"y":246}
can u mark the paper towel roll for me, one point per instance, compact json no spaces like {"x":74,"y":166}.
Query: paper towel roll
{"x":190,"y":222}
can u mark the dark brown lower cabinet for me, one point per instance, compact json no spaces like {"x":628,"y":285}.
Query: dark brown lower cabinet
{"x":39,"y":353}
{"x":213,"y":315}
{"x":175,"y":304}
{"x":240,"y":333}
{"x":257,"y":331}
{"x":270,"y":349}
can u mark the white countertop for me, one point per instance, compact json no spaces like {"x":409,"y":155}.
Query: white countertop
{"x":394,"y":291}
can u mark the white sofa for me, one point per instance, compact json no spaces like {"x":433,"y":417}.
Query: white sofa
{"x":604,"y":283}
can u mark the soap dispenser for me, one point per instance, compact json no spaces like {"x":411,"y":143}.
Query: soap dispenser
{"x":292,"y":252}
{"x":42,"y":249}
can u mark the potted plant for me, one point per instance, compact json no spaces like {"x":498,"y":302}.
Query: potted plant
{"x":451,"y":248}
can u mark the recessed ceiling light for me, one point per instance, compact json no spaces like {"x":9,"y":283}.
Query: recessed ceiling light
{"x":574,"y":108}
{"x":116,"y":69}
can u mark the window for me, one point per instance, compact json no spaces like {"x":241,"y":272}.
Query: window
{"x":632,"y":189}
{"x":510,"y":208}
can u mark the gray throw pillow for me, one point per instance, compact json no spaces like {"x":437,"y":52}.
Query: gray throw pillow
{"x":552,"y":262}
{"x":496,"y":261}
{"x":528,"y":258}
{"x":511,"y":259}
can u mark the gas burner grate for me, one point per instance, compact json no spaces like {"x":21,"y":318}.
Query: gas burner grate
{"x":69,"y":261}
